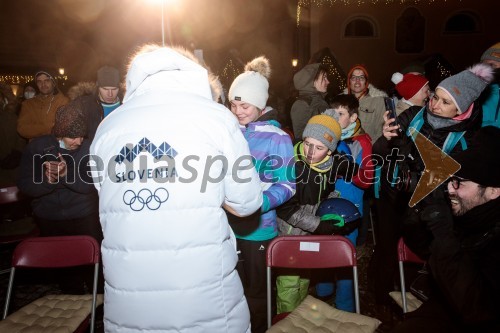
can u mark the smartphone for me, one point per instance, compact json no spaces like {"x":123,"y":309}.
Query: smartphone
{"x":50,"y":154}
{"x":390,"y":105}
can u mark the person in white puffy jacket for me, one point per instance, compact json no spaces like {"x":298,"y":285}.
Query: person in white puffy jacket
{"x":166,"y":162}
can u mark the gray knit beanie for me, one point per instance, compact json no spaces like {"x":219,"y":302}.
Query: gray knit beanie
{"x":108,"y":77}
{"x":493,"y":53}
{"x":324,"y":129}
{"x":466,"y":86}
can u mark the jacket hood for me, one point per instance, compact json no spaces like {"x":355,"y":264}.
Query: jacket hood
{"x":89,"y":88}
{"x":81,"y":89}
{"x":268,"y":114}
{"x":165,"y":69}
{"x":303,"y":80}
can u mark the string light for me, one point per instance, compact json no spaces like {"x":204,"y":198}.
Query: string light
{"x":336,"y":74}
{"x":319,"y":3}
{"x":229,"y":73}
{"x":23,"y":79}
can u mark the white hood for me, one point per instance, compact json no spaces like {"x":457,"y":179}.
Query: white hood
{"x":166,"y":69}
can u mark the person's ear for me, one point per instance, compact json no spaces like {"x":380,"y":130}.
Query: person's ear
{"x":492,"y":193}
{"x":353,"y":117}
{"x":329,"y":152}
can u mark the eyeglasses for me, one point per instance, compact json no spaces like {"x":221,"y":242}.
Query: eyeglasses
{"x":455,"y":181}
{"x":357,"y":78}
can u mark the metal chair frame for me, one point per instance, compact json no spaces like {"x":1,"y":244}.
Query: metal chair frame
{"x":56,"y":252}
{"x":405,"y":255}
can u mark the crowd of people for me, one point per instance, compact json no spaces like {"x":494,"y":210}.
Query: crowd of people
{"x":184,"y":192}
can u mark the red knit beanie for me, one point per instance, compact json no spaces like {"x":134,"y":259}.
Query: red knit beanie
{"x":408,"y":85}
{"x":365,"y":72}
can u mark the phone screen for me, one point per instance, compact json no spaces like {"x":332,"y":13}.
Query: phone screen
{"x":390,"y":106}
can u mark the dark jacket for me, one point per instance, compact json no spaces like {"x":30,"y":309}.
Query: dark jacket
{"x":312,"y":187}
{"x":72,"y":197}
{"x":406,"y":146}
{"x":86,"y":93}
{"x":465,"y":265}
{"x":93,"y":113}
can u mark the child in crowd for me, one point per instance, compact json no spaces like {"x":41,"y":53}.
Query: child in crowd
{"x":357,"y":144}
{"x":317,"y":170}
{"x":272,"y":153}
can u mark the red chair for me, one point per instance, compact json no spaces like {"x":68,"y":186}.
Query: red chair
{"x":52,"y":313}
{"x":310,"y":252}
{"x":20,"y":229}
{"x":405,"y":255}
{"x":13,"y":231}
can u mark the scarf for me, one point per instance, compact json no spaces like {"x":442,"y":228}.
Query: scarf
{"x":438,"y":122}
{"x":348,"y":131}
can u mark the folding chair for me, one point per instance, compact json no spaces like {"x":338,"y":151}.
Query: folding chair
{"x":310,"y":252}
{"x":24,"y":228}
{"x":405,"y":255}
{"x":15,"y":230}
{"x":54,"y":313}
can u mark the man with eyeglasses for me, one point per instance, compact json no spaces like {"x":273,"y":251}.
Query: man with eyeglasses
{"x":464,"y":258}
{"x":371,"y":101}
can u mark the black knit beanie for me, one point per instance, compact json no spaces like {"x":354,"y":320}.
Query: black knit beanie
{"x":480,"y":163}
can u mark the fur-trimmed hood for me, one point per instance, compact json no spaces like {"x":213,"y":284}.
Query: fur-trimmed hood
{"x":89,"y":88}
{"x":372,"y":91}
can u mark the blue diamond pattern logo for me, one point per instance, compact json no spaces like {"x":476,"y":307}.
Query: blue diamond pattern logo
{"x":164,"y":149}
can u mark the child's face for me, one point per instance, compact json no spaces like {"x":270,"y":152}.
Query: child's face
{"x":245,"y":112}
{"x":344,"y":118}
{"x":314,"y":150}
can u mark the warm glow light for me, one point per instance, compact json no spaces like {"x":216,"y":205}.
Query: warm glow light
{"x":61,"y":71}
{"x":295,"y":62}
{"x":164,"y":3}
{"x":15,"y":89}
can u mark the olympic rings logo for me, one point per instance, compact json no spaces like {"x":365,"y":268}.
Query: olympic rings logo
{"x":145,"y":198}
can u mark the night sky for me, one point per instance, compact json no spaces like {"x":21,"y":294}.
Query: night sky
{"x":82,"y":35}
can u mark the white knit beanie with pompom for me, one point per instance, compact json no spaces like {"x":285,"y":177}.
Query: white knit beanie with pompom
{"x":252,"y":85}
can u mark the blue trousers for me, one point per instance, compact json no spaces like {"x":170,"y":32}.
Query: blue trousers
{"x":344,"y":296}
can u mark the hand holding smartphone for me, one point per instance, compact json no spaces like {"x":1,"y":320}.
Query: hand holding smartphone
{"x":391,"y":125}
{"x":390,"y":105}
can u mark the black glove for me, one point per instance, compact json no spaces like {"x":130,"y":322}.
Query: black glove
{"x":438,"y":218}
{"x":332,"y":224}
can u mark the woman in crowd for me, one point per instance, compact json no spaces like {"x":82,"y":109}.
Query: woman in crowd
{"x":449,"y":120}
{"x":312,"y":83}
{"x":272,"y":152}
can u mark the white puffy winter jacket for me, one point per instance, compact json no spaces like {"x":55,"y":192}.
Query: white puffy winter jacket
{"x":165,"y":163}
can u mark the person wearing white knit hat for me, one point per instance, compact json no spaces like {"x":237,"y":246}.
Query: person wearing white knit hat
{"x":272,"y":152}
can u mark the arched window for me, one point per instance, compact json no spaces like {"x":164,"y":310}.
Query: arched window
{"x":463,"y":22}
{"x":360,"y":26}
{"x":410,"y":31}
